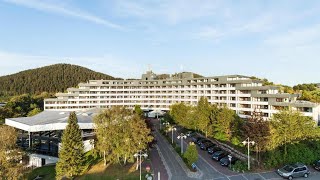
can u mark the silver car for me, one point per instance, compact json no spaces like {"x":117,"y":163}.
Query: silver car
{"x":294,"y":170}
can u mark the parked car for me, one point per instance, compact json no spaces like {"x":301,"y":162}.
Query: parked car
{"x":205,"y":146}
{"x":213,"y":149}
{"x":203,"y":141}
{"x":195,"y":139}
{"x":294,"y":170}
{"x":225,"y":161}
{"x":190,"y":133}
{"x":219,"y":155}
{"x":316,"y":165}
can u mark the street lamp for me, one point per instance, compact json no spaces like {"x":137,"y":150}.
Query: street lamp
{"x":140,"y":154}
{"x":182,"y":136}
{"x":172,"y":128}
{"x":248,"y":142}
{"x":166,"y":124}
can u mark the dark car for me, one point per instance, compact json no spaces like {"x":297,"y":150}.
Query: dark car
{"x":191,"y":133}
{"x":219,"y":155}
{"x":205,"y":146}
{"x":196,"y":139}
{"x":225,"y":161}
{"x":317,"y":165}
{"x":203,"y":141}
{"x":213,"y":149}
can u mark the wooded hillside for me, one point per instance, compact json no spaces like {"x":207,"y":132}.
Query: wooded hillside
{"x":53,"y":78}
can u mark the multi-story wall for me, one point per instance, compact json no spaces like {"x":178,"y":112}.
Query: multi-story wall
{"x":240,"y":93}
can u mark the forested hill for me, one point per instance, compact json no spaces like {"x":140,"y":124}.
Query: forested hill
{"x":53,"y":78}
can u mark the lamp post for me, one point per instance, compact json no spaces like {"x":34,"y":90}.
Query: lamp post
{"x":172,"y":128}
{"x":166,"y":124}
{"x":140,"y":154}
{"x":182,"y":136}
{"x":248,"y":142}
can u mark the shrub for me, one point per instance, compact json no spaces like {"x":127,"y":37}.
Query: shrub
{"x":240,"y":166}
{"x":191,"y":154}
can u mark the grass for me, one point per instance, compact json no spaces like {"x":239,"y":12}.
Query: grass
{"x":116,"y":171}
{"x":96,"y":171}
{"x":46,"y":172}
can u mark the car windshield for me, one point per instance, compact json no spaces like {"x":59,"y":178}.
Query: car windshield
{"x":288,"y":168}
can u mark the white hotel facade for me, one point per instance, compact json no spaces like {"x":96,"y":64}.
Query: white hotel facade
{"x":240,"y":93}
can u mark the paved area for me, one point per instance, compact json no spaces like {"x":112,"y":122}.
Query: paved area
{"x":210,"y":169}
{"x":157,"y":165}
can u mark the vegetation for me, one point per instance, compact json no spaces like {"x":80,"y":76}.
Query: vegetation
{"x":23,"y":105}
{"x":305,"y":87}
{"x":138,"y":110}
{"x":45,"y":172}
{"x":287,"y":137}
{"x":120,"y":134}
{"x":52,"y":79}
{"x":258,"y":130}
{"x":10,"y":156}
{"x":71,"y":153}
{"x":111,"y":172}
{"x":191,"y":154}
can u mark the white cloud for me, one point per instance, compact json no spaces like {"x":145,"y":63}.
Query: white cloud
{"x":296,"y":37}
{"x":45,"y":6}
{"x":169,"y":11}
{"x":209,"y":33}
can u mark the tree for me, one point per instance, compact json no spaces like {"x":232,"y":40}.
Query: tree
{"x":181,"y":114}
{"x":191,"y":154}
{"x":10,"y":155}
{"x":225,"y":117}
{"x":203,"y":115}
{"x":71,"y":153}
{"x":138,"y":110}
{"x":120,"y":134}
{"x":35,"y":111}
{"x":289,"y":126}
{"x":258,"y":130}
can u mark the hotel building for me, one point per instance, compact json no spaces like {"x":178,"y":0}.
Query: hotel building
{"x":240,"y":93}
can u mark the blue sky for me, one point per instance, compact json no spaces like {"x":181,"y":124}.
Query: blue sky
{"x":278,"y":40}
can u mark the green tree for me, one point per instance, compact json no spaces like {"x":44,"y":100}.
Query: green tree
{"x":10,"y":155}
{"x":223,"y":130}
{"x":288,"y":127}
{"x":258,"y":130}
{"x":138,"y":110}
{"x":71,"y":153}
{"x":120,"y":134}
{"x":181,"y":114}
{"x":203,"y":115}
{"x":191,"y":154}
{"x":35,"y":111}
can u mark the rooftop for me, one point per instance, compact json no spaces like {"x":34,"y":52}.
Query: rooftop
{"x":52,"y":120}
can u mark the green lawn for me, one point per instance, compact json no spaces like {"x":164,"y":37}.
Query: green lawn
{"x":46,"y":172}
{"x":112,"y":172}
{"x":96,"y":171}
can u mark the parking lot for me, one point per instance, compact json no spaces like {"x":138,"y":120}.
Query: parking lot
{"x":210,"y":169}
{"x":230,"y":175}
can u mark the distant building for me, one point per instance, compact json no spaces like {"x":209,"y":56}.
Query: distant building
{"x":41,"y":134}
{"x":240,"y":93}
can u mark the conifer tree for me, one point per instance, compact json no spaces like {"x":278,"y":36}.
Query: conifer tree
{"x":71,"y":153}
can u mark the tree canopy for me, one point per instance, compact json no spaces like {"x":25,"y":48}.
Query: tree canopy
{"x":120,"y":134}
{"x":10,"y":156}
{"x":52,"y":79}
